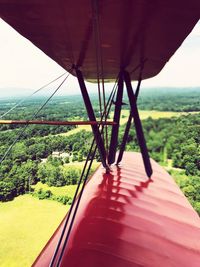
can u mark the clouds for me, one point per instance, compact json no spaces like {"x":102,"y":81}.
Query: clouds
{"x":182,"y":70}
{"x":21,"y":63}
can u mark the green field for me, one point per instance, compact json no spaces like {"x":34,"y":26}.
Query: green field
{"x":57,"y":191}
{"x":26,"y":225}
{"x":77,"y":129}
{"x":144,"y":114}
{"x":80,"y":165}
{"x":154,"y":114}
{"x":67,"y":190}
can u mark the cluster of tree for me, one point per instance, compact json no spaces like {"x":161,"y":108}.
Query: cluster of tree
{"x":59,"y":108}
{"x":170,"y":99}
{"x":47,"y":194}
{"x":174,"y":138}
{"x":23,"y":165}
{"x":190,"y":186}
{"x":15,"y":180}
{"x":36,"y":148}
{"x":57,"y":176}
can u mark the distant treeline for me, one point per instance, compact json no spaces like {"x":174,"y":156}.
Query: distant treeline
{"x":170,"y":99}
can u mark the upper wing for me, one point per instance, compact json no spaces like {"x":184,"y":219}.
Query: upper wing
{"x":104,"y":36}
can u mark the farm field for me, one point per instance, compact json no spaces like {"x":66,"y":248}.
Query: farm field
{"x":144,"y":114}
{"x":31,"y":222}
{"x":68,"y":190}
{"x":154,"y":114}
{"x":57,"y":191}
{"x":79,"y":165}
{"x":26,"y":225}
{"x":76,"y":130}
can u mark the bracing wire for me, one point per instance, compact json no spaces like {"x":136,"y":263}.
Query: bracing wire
{"x":97,"y":54}
{"x":27,"y":97}
{"x":109,"y":103}
{"x":82,"y":189}
{"x":103,"y":86}
{"x":33,"y":117}
{"x":77,"y":190}
{"x":76,"y":207}
{"x":72,"y":205}
{"x":99,"y":63}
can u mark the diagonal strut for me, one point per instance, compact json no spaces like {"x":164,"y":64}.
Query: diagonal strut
{"x":138,"y":125}
{"x":91,"y":115}
{"x":115,"y":128}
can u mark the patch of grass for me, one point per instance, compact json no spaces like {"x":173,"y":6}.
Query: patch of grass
{"x":144,"y":114}
{"x":67,"y":190}
{"x":77,"y":129}
{"x":154,"y":114}
{"x":25,"y":227}
{"x":80,"y":165}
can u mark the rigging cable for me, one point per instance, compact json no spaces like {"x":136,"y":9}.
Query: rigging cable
{"x":77,"y":205}
{"x":76,"y":193}
{"x":35,"y":92}
{"x":100,"y":62}
{"x":82,"y":189}
{"x":102,"y":74}
{"x":34,"y":116}
{"x":110,"y":101}
{"x":96,"y":44}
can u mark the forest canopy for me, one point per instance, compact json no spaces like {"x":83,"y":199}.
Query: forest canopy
{"x":175,"y":139}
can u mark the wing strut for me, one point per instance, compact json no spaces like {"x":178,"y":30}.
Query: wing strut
{"x":115,"y":128}
{"x":91,"y":115}
{"x":124,"y":140}
{"x":138,"y":125}
{"x":127,"y":129}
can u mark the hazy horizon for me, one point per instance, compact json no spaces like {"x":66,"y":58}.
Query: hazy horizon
{"x":9,"y":93}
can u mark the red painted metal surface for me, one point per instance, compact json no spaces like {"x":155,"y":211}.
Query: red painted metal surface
{"x":126,"y":220}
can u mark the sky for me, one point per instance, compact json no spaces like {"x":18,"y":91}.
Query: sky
{"x":22,"y":65}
